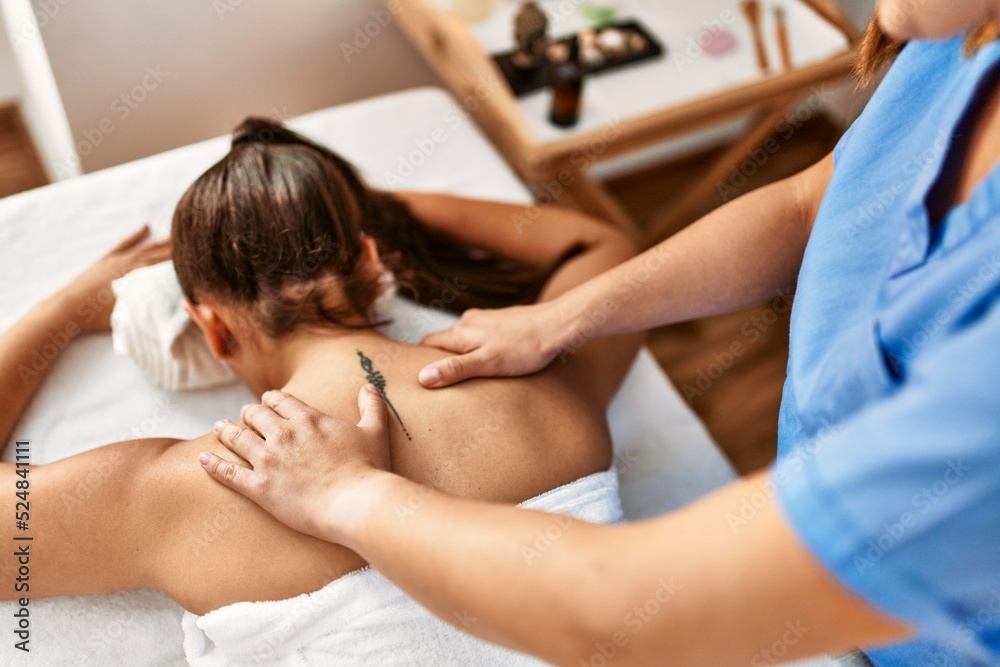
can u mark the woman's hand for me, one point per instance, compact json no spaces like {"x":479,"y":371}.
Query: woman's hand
{"x":89,"y":298}
{"x":304,"y":466}
{"x":493,"y":343}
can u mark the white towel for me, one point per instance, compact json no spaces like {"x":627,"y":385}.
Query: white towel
{"x":364,"y":619}
{"x":149,"y":325}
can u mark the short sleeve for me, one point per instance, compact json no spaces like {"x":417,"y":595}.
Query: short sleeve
{"x":841,"y":146}
{"x":901,"y":502}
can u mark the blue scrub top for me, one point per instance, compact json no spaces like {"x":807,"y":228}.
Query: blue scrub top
{"x":889,"y":434}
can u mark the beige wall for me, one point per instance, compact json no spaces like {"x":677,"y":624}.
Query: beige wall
{"x":190,"y":69}
{"x":10,"y":85}
{"x":859,"y":10}
{"x":144,"y":76}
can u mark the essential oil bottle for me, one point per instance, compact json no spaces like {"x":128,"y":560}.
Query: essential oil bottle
{"x":567,"y":88}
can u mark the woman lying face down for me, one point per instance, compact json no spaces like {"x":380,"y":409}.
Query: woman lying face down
{"x":281,"y":250}
{"x":282,"y":240}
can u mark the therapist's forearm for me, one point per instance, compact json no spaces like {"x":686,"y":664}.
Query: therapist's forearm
{"x":479,"y":567}
{"x":744,"y":253}
{"x":663,"y":591}
{"x":27,"y":352}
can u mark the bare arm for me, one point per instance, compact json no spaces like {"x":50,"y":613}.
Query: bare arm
{"x":89,"y":525}
{"x":658,"y":592}
{"x":141,"y":514}
{"x":539,"y":236}
{"x":27,"y":351}
{"x":738,"y":255}
{"x":534,"y":235}
{"x":654,"y":592}
{"x":29,"y":348}
{"x":58,"y":499}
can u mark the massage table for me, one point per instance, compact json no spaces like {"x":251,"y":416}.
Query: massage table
{"x":418,"y":140}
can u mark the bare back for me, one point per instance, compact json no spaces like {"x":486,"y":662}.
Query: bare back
{"x":144,"y":514}
{"x":503,"y":440}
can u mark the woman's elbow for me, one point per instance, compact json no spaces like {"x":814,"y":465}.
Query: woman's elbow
{"x":617,"y":245}
{"x":626,"y":246}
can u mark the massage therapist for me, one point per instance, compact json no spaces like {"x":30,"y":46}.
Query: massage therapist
{"x":884,"y":527}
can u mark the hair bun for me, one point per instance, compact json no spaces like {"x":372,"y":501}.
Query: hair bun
{"x":257,"y":130}
{"x":242,"y":139}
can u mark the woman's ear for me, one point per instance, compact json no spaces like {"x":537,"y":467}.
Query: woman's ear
{"x":373,"y":262}
{"x":211,"y":324}
{"x":370,"y":250}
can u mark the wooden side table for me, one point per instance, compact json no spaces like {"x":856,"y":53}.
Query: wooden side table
{"x":641,"y":105}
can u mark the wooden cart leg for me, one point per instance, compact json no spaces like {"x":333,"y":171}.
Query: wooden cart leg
{"x":672,"y":216}
{"x":574,"y":187}
{"x":592,"y":198}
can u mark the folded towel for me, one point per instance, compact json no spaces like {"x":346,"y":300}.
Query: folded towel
{"x":149,"y":325}
{"x":364,"y":619}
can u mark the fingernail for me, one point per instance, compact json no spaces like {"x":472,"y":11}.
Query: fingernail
{"x":373,"y":389}
{"x":219,"y":425}
{"x":430,"y":376}
{"x":266,"y":395}
{"x":205,"y":457}
{"x":244,"y":409}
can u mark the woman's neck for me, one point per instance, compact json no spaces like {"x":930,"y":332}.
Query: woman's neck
{"x":294,"y":361}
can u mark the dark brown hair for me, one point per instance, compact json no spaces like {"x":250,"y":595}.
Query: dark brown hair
{"x":277,"y":225}
{"x":878,"y":49}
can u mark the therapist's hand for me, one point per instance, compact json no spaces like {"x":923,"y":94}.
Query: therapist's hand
{"x":496,"y":343}
{"x":304,"y":464}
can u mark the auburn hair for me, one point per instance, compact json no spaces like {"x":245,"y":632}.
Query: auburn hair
{"x":878,"y":49}
{"x":277,"y":227}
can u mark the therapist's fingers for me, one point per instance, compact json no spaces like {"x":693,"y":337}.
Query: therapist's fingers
{"x":228,"y":474}
{"x":240,"y":440}
{"x":262,"y":419}
{"x":374,"y":414}
{"x":453,"y":370}
{"x":286,"y":405}
{"x":450,"y":339}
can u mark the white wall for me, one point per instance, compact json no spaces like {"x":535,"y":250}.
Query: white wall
{"x":191,"y":69}
{"x":10,"y":84}
{"x":859,"y":10}
{"x":219,"y":60}
{"x":847,"y":102}
{"x":36,"y":90}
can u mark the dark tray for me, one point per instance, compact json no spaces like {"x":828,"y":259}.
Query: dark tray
{"x":526,"y":81}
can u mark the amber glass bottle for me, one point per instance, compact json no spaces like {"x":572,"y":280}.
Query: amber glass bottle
{"x":567,"y":88}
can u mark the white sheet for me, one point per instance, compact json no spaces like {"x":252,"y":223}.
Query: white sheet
{"x":93,"y":397}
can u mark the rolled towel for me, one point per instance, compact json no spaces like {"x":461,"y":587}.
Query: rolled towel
{"x":150,"y":326}
{"x":364,"y":619}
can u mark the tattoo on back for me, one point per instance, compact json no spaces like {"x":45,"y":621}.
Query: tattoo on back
{"x":376,"y":378}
